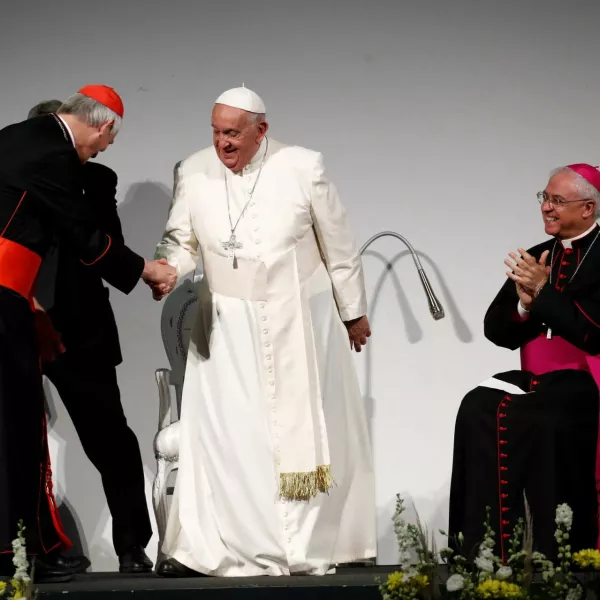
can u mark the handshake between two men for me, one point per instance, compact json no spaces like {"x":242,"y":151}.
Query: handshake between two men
{"x":160,"y":276}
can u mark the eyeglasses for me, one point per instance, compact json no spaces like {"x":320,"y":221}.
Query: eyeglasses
{"x":557,"y":201}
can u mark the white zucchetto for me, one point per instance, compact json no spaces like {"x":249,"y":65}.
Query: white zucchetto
{"x":243,"y":98}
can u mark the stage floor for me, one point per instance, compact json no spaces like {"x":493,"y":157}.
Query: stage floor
{"x":349,"y":583}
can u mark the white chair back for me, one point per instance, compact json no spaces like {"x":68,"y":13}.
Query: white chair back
{"x":177,"y":320}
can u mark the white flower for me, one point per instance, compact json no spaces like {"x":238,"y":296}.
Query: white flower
{"x":455,"y":582}
{"x":574,"y":594}
{"x":503,"y":573}
{"x":484,"y":564}
{"x":486,"y":553}
{"x":564,"y":515}
{"x":20,"y":559}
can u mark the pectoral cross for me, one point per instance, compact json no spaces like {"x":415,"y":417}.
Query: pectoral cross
{"x":231,"y":246}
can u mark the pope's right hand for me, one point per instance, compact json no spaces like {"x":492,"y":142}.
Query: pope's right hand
{"x":160,"y":276}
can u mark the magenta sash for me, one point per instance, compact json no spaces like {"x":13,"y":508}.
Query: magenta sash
{"x":543,"y":355}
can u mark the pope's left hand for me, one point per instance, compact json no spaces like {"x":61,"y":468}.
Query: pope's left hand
{"x":526,"y":271}
{"x":358,"y":332}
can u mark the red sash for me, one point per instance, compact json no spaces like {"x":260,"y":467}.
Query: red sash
{"x":18,"y":267}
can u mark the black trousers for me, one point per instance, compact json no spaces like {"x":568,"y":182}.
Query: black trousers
{"x":542,"y":445}
{"x":90,"y":393}
{"x":25,"y":478}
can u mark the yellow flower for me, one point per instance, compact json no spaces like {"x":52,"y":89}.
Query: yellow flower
{"x":587,"y":558}
{"x":18,"y":590}
{"x":394,"y":581}
{"x":492,"y":588}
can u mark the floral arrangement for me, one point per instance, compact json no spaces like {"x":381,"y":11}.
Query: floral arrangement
{"x":418,"y":575}
{"x":21,"y":585}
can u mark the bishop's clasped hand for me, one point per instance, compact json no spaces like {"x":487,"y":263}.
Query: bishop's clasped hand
{"x":529,"y":274}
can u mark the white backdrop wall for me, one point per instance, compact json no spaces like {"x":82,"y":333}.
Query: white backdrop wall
{"x":437,"y":119}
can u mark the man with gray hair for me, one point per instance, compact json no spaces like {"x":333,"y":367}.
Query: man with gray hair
{"x":534,"y":432}
{"x":275,"y":474}
{"x":77,"y":305}
{"x":42,"y":198}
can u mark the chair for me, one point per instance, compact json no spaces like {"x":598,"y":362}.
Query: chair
{"x":177,"y":318}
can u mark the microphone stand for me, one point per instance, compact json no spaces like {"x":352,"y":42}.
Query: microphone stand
{"x":435,"y":307}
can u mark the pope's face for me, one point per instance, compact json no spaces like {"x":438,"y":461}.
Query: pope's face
{"x":236,"y":136}
{"x":566,"y":214}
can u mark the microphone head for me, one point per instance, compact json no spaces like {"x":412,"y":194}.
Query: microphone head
{"x":437,"y":313}
{"x":435,"y":308}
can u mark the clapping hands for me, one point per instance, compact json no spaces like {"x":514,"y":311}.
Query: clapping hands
{"x":529,"y":275}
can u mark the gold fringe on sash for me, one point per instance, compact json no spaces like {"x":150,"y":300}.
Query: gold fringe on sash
{"x":304,"y":486}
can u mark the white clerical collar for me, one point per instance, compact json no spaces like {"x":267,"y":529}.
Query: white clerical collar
{"x":257,"y":158}
{"x":68,"y":129}
{"x":568,"y":243}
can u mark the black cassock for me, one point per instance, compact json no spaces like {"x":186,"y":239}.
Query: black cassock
{"x":540,"y":437}
{"x":41,"y":199}
{"x":85,"y":375}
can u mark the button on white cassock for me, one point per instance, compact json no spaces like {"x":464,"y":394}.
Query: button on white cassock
{"x":224,"y":518}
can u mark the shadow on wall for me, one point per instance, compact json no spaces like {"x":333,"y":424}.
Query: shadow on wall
{"x":84,"y":511}
{"x":143,"y":214}
{"x":412,"y":328}
{"x":414,"y":333}
{"x":437,"y":505}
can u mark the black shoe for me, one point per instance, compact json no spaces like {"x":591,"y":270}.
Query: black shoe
{"x":173,"y":568}
{"x":135,"y":560}
{"x":74,"y":564}
{"x":42,"y":573}
{"x":50,"y":573}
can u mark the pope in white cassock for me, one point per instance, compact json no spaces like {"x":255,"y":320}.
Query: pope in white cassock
{"x":275,"y":471}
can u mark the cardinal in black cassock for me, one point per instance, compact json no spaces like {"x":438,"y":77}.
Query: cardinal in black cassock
{"x":41,"y":199}
{"x":533,"y":433}
{"x":85,"y":376}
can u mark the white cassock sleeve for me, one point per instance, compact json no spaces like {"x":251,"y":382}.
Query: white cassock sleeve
{"x":338,"y":245}
{"x":524,"y":314}
{"x":179,"y":244}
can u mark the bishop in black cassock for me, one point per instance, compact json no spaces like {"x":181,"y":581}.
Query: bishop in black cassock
{"x":534,"y":432}
{"x":41,"y":199}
